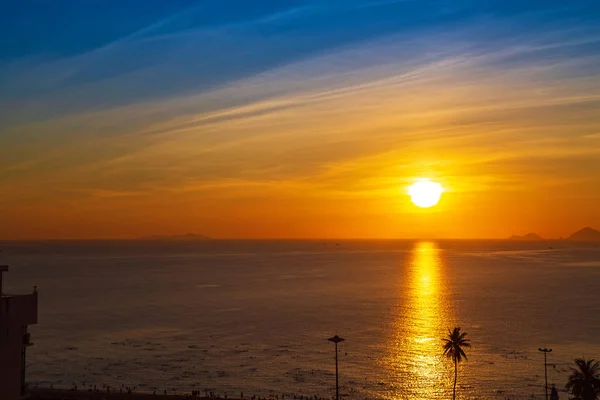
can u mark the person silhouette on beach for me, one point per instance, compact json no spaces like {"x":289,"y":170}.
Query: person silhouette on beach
{"x":553,"y":393}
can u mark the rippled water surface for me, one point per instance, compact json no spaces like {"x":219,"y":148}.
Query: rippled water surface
{"x":253,"y":316}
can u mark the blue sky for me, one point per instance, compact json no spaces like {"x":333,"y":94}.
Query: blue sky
{"x":119,"y":99}
{"x":189,"y":46}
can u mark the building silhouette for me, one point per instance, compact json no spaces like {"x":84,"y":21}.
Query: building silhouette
{"x":16,"y":313}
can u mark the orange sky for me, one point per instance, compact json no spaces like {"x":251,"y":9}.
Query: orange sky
{"x":323,"y":147}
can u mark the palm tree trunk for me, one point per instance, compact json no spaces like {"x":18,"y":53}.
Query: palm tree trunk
{"x":455,"y":376}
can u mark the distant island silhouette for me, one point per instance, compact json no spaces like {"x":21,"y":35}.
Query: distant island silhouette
{"x":187,"y":236}
{"x":528,"y":237}
{"x":586,"y":234}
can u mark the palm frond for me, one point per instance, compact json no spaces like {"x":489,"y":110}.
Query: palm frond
{"x":453,"y":345}
{"x":584,"y":381}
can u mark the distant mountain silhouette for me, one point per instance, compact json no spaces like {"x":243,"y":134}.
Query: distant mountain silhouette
{"x":586,"y":234}
{"x":529,"y":237}
{"x":187,"y":236}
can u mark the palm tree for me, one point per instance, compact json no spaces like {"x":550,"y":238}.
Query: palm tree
{"x":584,"y":382}
{"x":453,"y":348}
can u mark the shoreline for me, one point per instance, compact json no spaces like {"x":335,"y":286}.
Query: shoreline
{"x":70,"y":394}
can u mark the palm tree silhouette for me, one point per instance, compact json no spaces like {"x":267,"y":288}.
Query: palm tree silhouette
{"x":584,"y":381}
{"x":453,"y":348}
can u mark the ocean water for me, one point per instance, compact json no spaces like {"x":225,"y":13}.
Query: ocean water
{"x":254,"y":316}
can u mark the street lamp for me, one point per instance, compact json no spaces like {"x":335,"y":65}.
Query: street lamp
{"x":336,"y":339}
{"x":545,"y":351}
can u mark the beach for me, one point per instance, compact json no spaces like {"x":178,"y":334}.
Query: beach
{"x":72,"y":394}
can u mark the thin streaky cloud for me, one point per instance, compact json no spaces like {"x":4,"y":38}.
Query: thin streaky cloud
{"x":491,"y":106}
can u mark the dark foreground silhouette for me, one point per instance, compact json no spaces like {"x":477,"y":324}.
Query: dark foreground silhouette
{"x":453,"y":349}
{"x":584,"y":381}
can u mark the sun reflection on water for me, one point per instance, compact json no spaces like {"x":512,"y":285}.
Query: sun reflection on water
{"x":416,"y":368}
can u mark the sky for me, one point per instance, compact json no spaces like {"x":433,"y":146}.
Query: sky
{"x":298,"y":119}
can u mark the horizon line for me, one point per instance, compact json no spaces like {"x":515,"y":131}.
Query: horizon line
{"x":174,"y":238}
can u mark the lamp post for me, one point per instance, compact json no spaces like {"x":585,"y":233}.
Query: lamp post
{"x":336,"y":339}
{"x":545,"y":351}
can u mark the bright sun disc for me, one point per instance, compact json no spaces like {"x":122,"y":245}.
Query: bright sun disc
{"x":425,"y":193}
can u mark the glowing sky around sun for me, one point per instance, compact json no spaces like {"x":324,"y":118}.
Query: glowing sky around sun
{"x":299,"y":118}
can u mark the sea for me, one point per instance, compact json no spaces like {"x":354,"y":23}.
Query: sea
{"x":253,"y":317}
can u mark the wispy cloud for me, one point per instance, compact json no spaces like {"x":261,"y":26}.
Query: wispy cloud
{"x":352,"y":119}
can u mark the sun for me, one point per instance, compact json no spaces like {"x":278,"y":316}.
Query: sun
{"x":425,"y":193}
